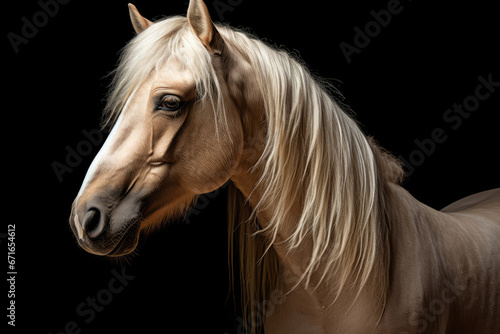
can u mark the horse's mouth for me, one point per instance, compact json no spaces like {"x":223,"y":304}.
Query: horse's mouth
{"x":128,"y":241}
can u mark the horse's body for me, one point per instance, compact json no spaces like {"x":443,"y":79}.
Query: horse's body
{"x":329,"y":241}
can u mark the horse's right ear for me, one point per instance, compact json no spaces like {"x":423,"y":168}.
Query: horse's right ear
{"x":140,"y":23}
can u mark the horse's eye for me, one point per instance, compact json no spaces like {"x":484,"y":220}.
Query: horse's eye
{"x":170,"y":103}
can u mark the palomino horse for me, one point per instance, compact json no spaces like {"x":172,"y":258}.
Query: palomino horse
{"x":326,"y":233}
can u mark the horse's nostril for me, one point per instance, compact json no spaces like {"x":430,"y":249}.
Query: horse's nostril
{"x":93,"y":225}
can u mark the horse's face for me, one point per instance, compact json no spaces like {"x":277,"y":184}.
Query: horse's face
{"x":163,"y":150}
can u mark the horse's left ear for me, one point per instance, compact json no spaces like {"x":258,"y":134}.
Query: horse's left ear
{"x":202,"y":24}
{"x":138,"y":21}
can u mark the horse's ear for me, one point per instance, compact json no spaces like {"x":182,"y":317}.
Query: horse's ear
{"x":140,"y":23}
{"x":202,"y":24}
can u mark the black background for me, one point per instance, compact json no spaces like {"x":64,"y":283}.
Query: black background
{"x":428,"y":58}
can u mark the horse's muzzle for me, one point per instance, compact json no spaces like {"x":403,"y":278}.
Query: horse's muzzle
{"x":102,"y":228}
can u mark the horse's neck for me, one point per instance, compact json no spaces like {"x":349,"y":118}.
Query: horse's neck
{"x":316,"y":303}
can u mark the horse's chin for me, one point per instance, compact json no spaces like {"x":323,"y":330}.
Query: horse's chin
{"x":123,"y":243}
{"x":128,"y":242}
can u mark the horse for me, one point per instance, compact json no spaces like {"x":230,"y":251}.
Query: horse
{"x":328,"y":239}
